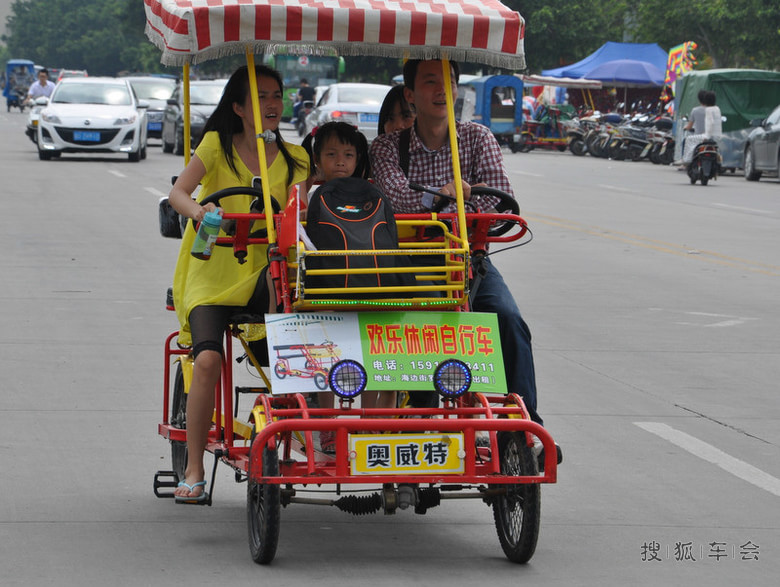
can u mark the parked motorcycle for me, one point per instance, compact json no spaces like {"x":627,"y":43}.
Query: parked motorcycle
{"x":660,"y":149}
{"x":630,"y":140}
{"x":705,"y":164}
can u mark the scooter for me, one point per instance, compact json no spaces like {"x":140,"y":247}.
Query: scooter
{"x":33,"y":118}
{"x":705,"y":164}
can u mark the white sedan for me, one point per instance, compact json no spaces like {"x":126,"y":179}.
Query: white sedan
{"x":93,"y":114}
{"x":357,"y":104}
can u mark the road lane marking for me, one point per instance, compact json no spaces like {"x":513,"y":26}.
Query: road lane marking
{"x":117,"y":173}
{"x":616,"y":188}
{"x":742,"y":209}
{"x":729,"y":320}
{"x":715,"y":456}
{"x":155,"y":192}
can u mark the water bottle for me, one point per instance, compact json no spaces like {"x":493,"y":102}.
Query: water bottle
{"x":206,"y":236}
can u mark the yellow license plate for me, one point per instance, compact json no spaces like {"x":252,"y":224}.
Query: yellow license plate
{"x":406,"y":454}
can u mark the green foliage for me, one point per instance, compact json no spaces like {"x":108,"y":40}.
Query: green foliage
{"x":101,"y":36}
{"x":730,"y":33}
{"x":559,"y":32}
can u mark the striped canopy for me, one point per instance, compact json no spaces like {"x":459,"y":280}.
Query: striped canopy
{"x":477,"y":31}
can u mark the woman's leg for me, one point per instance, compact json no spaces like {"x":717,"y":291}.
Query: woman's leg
{"x":207,"y":324}
{"x":200,"y":407}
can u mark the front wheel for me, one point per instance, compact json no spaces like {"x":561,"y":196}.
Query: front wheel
{"x":263,"y":501}
{"x":517,"y":512}
{"x":750,"y":166}
{"x":578,"y":147}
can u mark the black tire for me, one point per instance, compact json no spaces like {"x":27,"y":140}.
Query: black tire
{"x":279,"y":371}
{"x":321,"y":381}
{"x":143,"y":152}
{"x":704,"y":179}
{"x":179,"y":420}
{"x":578,"y":147}
{"x":166,"y":146}
{"x":44,"y":155}
{"x":517,"y":513}
{"x":667,"y":157}
{"x":135,"y":156}
{"x":263,"y":508}
{"x":750,"y":166}
{"x":178,"y":145}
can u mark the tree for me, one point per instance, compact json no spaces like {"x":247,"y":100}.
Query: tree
{"x":559,"y":32}
{"x":730,"y":33}
{"x":102,"y":36}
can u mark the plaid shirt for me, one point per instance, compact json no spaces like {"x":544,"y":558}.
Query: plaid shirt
{"x":480,"y":162}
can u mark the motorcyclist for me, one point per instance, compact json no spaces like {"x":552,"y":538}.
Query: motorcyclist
{"x":305,"y":94}
{"x":42,"y":87}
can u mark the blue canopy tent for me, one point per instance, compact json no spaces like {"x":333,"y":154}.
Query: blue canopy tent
{"x":648,"y":52}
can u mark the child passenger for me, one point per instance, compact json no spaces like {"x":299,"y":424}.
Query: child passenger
{"x":338,"y":149}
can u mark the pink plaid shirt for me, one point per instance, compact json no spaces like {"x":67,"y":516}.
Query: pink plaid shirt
{"x":480,"y":162}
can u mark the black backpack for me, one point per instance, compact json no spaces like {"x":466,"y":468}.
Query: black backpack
{"x":351,"y":213}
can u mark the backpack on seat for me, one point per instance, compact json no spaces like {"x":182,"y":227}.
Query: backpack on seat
{"x":349,"y":213}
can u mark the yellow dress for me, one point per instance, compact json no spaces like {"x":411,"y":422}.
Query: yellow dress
{"x":221,"y":280}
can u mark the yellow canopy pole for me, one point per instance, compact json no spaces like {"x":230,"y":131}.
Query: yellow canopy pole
{"x":187,"y":138}
{"x":445,"y":63}
{"x":250,"y":62}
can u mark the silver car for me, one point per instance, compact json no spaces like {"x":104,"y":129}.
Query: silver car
{"x":93,"y":115}
{"x":357,"y":104}
{"x":156,"y":90}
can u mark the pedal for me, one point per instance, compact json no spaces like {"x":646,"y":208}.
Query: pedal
{"x":165,"y":480}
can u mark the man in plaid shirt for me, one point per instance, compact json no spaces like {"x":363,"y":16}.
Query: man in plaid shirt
{"x":430,"y":164}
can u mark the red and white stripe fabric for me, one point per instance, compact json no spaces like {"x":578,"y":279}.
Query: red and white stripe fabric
{"x":480,"y":31}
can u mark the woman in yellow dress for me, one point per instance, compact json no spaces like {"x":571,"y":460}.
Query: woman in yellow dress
{"x":207,"y":292}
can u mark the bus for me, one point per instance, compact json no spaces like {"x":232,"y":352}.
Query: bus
{"x":318,"y":70}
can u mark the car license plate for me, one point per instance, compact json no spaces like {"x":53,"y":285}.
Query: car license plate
{"x":369,"y":118}
{"x":406,"y":454}
{"x":155,"y":126}
{"x":86,"y":136}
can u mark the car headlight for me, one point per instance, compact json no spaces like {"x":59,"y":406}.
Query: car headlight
{"x":52,"y":118}
{"x":347,"y":378}
{"x":123,"y":120}
{"x":452,"y":378}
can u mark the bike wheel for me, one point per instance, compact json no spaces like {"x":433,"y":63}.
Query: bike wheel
{"x":263,"y":508}
{"x":517,"y":512}
{"x":179,"y":420}
{"x":321,"y":381}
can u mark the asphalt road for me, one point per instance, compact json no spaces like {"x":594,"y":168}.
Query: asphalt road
{"x":654,"y":310}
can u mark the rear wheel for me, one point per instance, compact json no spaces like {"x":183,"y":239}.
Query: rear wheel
{"x":517,"y":512}
{"x":179,"y":420}
{"x":264,"y":511}
{"x":750,"y":166}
